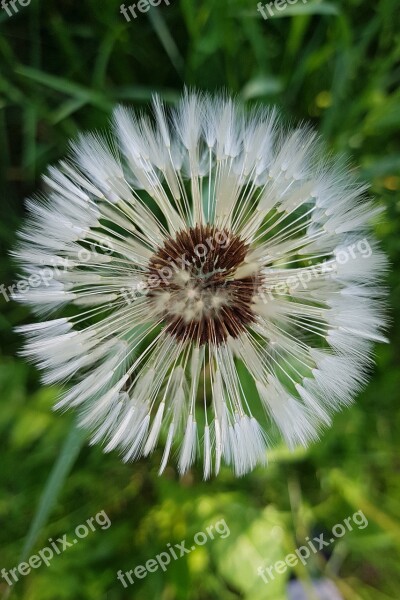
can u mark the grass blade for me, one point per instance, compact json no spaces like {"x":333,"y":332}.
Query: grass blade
{"x":58,"y":474}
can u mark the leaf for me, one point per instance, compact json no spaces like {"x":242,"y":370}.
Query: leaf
{"x":261,"y":86}
{"x":66,"y":109}
{"x":250,"y":545}
{"x":166,"y":39}
{"x":356,"y":497}
{"x":65,"y":86}
{"x":59,"y":473}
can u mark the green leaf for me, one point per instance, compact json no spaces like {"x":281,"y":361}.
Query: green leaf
{"x":65,"y":86}
{"x":59,"y":473}
{"x":261,"y":86}
{"x":166,"y":39}
{"x":66,"y":109}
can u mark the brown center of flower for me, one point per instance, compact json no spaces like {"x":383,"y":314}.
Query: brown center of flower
{"x":194,"y":284}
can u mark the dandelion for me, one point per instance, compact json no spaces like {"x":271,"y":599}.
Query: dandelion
{"x":194,"y":292}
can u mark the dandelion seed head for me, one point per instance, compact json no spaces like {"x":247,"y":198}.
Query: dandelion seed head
{"x":185,"y":251}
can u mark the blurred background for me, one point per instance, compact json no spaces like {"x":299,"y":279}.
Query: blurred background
{"x":63,"y":65}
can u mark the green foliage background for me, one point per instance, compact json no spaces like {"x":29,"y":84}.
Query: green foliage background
{"x":63,"y":65}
